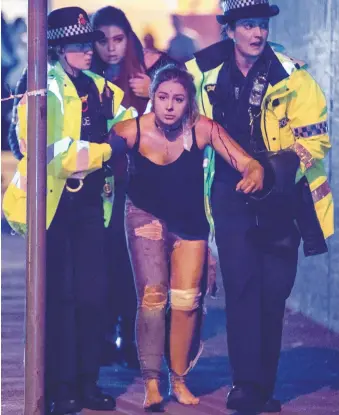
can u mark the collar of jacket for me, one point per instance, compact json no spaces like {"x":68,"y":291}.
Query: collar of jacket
{"x":218,"y":53}
{"x":58,"y":80}
{"x":58,"y":74}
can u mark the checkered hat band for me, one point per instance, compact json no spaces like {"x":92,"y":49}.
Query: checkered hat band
{"x":68,"y":31}
{"x":238,"y":4}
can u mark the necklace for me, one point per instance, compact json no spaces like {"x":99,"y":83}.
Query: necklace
{"x":170,"y":133}
{"x":164,"y":135}
{"x":168,"y":128}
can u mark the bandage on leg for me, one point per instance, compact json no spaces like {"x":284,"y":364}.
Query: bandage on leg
{"x":184,"y":318}
{"x":185,"y":300}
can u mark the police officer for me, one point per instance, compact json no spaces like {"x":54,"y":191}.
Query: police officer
{"x":268,"y":103}
{"x":81,"y":106}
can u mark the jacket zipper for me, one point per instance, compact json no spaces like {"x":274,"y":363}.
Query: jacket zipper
{"x":201,"y":92}
{"x":265,"y":127}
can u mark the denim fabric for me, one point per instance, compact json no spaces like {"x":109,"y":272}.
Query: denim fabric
{"x":151,"y":268}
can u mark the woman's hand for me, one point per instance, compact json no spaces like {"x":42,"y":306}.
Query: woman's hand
{"x":140,"y":85}
{"x":253,"y":178}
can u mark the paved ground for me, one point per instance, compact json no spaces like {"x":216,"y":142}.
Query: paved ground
{"x":308,"y":382}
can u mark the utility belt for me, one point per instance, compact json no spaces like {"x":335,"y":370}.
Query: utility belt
{"x":74,"y":185}
{"x":100,"y":180}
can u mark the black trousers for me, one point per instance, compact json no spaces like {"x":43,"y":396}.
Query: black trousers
{"x":77,"y":293}
{"x":257,"y":283}
{"x":123,"y":302}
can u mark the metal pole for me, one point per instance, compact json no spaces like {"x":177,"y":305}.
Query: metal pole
{"x":36,"y":208}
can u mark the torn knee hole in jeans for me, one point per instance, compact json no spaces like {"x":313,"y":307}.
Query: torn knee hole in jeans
{"x":155,"y":297}
{"x":152,"y":231}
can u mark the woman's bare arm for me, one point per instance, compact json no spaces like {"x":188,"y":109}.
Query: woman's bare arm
{"x":126,"y":130}
{"x":217,"y":137}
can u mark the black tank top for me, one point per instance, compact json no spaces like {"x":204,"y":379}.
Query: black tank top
{"x":172,"y":192}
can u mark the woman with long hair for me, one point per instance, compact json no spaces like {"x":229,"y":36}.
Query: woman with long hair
{"x":166,"y":224}
{"x":119,"y":56}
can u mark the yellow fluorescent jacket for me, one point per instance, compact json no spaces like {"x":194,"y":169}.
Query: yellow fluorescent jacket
{"x":294,"y":115}
{"x":67,"y":155}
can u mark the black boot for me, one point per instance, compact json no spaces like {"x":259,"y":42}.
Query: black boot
{"x":67,"y":406}
{"x":244,"y":397}
{"x":95,"y":399}
{"x":65,"y":399}
{"x":271,"y":406}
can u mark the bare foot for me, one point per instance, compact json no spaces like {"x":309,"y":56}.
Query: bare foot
{"x":182,"y":394}
{"x":153,"y":399}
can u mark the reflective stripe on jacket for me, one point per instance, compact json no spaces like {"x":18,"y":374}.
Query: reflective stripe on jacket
{"x":67,"y":155}
{"x":294,"y":115}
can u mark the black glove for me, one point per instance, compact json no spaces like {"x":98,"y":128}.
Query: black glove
{"x":107,"y":99}
{"x":117,"y":143}
{"x":307,"y":221}
{"x":280,"y":172}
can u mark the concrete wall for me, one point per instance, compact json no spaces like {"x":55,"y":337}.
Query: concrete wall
{"x":309,"y":30}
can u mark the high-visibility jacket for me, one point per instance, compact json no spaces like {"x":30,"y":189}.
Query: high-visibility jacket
{"x":67,"y":155}
{"x":293,"y":115}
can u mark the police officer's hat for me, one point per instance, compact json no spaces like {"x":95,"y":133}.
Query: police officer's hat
{"x":243,"y":9}
{"x":70,"y":25}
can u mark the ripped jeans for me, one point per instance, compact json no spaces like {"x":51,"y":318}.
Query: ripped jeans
{"x":151,"y":248}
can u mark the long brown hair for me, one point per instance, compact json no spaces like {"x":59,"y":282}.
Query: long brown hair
{"x":133,"y":61}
